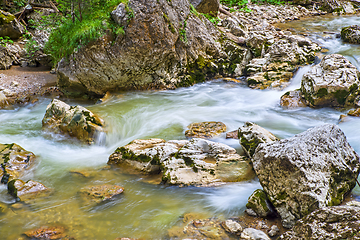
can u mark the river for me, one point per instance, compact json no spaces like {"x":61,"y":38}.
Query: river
{"x":148,"y":210}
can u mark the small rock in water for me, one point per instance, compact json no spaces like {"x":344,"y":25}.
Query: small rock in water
{"x":254,"y":234}
{"x":100,"y":193}
{"x":205,"y":129}
{"x":232,"y":226}
{"x":274,"y":230}
{"x":47,"y":233}
{"x":26,"y":190}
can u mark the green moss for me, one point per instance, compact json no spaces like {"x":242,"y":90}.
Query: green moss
{"x":130,"y":155}
{"x":170,"y":25}
{"x":258,"y":199}
{"x":250,"y":146}
{"x":322,"y":92}
{"x":282,"y":196}
{"x":287,"y":94}
{"x":6,"y":19}
{"x":353,"y":88}
{"x":12,"y":190}
{"x":341,"y":96}
{"x":166,"y":178}
{"x":251,"y":82}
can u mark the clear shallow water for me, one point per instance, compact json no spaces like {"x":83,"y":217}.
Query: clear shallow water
{"x":146,"y":210}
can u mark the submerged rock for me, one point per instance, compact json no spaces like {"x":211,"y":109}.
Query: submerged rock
{"x":351,"y":34}
{"x":101,"y":193}
{"x":334,"y":82}
{"x":311,"y":170}
{"x":26,"y":190}
{"x":337,"y":222}
{"x":251,"y":135}
{"x":47,"y":233}
{"x":15,"y":162}
{"x":205,"y":129}
{"x":75,"y":121}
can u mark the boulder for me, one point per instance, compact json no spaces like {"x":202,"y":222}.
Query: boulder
{"x":205,"y":130}
{"x":145,"y":155}
{"x":76,"y":121}
{"x":120,"y":15}
{"x":26,"y":190}
{"x":47,"y":233}
{"x":210,"y":7}
{"x":15,"y":162}
{"x":233,"y":134}
{"x":174,"y":47}
{"x":292,"y":99}
{"x":332,"y":83}
{"x":100,"y":193}
{"x":336,"y":222}
{"x":254,"y":234}
{"x":260,"y":204}
{"x":338,"y":6}
{"x":351,"y":34}
{"x":354,"y":112}
{"x":311,"y":170}
{"x":251,"y":135}
{"x":201,"y":162}
{"x":9,"y":26}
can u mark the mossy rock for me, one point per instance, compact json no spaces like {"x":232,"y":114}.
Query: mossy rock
{"x":259,"y":202}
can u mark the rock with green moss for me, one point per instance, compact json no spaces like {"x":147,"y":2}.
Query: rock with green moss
{"x":311,"y":170}
{"x":337,"y":6}
{"x":9,"y":26}
{"x":14,"y":162}
{"x":328,"y":223}
{"x":99,"y":193}
{"x":205,"y":129}
{"x":259,"y":203}
{"x":202,"y":163}
{"x":145,"y":155}
{"x":76,"y":122}
{"x":251,"y":135}
{"x":26,"y":191}
{"x":351,"y":34}
{"x":334,"y":82}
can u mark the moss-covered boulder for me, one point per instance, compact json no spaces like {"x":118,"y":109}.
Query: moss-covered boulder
{"x":251,"y":135}
{"x":100,"y":193}
{"x":260,"y":204}
{"x":9,"y":26}
{"x":76,"y":122}
{"x":14,"y":161}
{"x":334,"y":82}
{"x":205,"y":129}
{"x":26,"y":191}
{"x":311,"y":170}
{"x":328,"y":223}
{"x":351,"y":34}
{"x":292,"y":99}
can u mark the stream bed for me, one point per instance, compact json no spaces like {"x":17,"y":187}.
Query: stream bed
{"x":147,"y":210}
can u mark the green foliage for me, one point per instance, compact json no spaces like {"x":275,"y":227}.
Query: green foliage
{"x":31,"y":47}
{"x":273,"y":2}
{"x":182,"y":32}
{"x":5,"y":40}
{"x":240,"y":4}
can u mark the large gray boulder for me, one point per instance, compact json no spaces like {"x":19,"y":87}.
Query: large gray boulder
{"x":333,"y":82}
{"x":165,"y":45}
{"x":311,"y":170}
{"x":351,"y":34}
{"x":338,"y":222}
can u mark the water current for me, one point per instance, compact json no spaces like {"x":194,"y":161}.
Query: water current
{"x":148,"y":210}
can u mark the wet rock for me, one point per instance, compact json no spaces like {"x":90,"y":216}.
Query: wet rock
{"x":47,"y":233}
{"x":259,"y":203}
{"x":168,"y":53}
{"x":332,"y":83}
{"x":202,"y":162}
{"x":351,"y":34}
{"x":145,"y":155}
{"x":251,"y":212}
{"x":311,"y":170}
{"x":26,"y":190}
{"x":292,"y":99}
{"x":9,"y":26}
{"x":3,"y":208}
{"x":75,"y":121}
{"x":337,"y":222}
{"x":15,"y":162}
{"x":251,"y":135}
{"x":205,"y":129}
{"x":338,"y":6}
{"x":101,"y":193}
{"x":254,"y":234}
{"x":206,"y":6}
{"x":232,"y":227}
{"x":354,"y":113}
{"x":274,"y":230}
{"x":232,"y":134}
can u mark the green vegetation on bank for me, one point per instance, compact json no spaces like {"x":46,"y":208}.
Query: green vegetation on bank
{"x":242,"y":4}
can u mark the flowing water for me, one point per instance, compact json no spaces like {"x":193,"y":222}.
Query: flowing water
{"x":148,"y":210}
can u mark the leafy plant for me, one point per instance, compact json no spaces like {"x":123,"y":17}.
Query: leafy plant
{"x":5,"y":40}
{"x":182,"y":32}
{"x":240,"y":4}
{"x":31,"y":47}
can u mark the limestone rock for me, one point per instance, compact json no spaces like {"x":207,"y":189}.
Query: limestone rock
{"x":9,"y":26}
{"x":253,"y":234}
{"x":332,"y":83}
{"x":351,"y":34}
{"x":233,"y":134}
{"x":203,"y":162}
{"x":210,"y":7}
{"x":274,"y":230}
{"x":251,"y":135}
{"x":98,"y":194}
{"x":311,"y":170}
{"x":145,"y":155}
{"x":338,"y":6}
{"x":259,"y":202}
{"x":75,"y":121}
{"x":14,"y":161}
{"x":337,"y":222}
{"x":232,"y":227}
{"x":47,"y":233}
{"x":354,"y":113}
{"x":205,"y":129}
{"x":292,"y":99}
{"x":26,"y":190}
{"x":174,"y":47}
{"x":235,"y":26}
{"x":120,"y":15}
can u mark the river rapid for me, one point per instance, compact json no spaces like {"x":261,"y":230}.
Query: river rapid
{"x":148,"y":210}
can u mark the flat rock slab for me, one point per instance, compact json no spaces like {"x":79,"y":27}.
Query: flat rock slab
{"x":205,"y":130}
{"x":27,"y":190}
{"x":98,"y":194}
{"x":311,"y":170}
